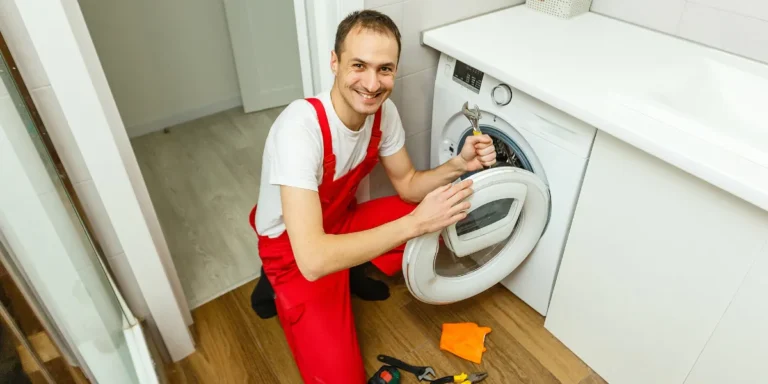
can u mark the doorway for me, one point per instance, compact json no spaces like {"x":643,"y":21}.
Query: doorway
{"x":198,"y":85}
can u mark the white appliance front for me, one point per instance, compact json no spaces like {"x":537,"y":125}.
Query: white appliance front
{"x":529,"y":135}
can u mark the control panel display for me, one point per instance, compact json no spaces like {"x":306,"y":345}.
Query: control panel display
{"x":468,"y":76}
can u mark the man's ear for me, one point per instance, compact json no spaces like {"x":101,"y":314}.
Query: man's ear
{"x":334,"y":63}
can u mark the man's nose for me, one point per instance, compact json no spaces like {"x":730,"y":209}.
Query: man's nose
{"x":371,"y":81}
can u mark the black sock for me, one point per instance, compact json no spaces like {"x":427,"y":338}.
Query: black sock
{"x":263,"y":298}
{"x":365,"y":287}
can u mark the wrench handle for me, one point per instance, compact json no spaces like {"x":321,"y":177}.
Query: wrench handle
{"x":401,"y":364}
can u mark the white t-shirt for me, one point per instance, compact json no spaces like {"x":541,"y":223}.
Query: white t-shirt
{"x":293,"y":153}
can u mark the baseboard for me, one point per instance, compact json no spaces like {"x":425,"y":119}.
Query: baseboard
{"x":183,"y":117}
{"x":194,"y":304}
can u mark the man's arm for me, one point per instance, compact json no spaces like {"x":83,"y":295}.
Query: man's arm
{"x":318,"y":253}
{"x":412,"y":185}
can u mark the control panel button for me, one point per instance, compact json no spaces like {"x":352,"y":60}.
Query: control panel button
{"x":448,"y":146}
{"x":501,"y":94}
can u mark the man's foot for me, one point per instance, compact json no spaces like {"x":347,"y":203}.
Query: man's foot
{"x":365,"y":287}
{"x":263,"y":298}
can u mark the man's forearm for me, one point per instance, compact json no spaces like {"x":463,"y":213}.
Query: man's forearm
{"x":338,"y":252}
{"x":423,"y":182}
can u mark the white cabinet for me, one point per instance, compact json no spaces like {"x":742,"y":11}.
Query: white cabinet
{"x":738,"y":349}
{"x":653,"y":260}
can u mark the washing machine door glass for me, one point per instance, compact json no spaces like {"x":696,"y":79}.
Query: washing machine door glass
{"x":508,"y":214}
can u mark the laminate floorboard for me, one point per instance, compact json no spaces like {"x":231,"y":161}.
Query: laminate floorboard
{"x":235,"y":346}
{"x":203,"y":179}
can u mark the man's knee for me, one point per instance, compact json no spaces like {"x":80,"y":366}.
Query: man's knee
{"x":391,"y":208}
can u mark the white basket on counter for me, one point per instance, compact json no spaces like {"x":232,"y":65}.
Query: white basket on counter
{"x":560,"y":8}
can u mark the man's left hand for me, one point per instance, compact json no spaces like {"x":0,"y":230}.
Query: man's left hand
{"x":477,"y":152}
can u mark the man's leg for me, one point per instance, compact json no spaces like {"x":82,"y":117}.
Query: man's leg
{"x":365,"y":216}
{"x":322,"y":336}
{"x":362,"y":286}
{"x":378,"y":212}
{"x":263,"y":298}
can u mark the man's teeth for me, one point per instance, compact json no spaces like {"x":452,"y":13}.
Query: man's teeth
{"x":367,"y":96}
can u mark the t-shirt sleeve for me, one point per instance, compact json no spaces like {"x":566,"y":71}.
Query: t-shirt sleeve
{"x":297,"y":150}
{"x":392,"y":132}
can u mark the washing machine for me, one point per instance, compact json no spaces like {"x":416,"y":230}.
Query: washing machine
{"x":521,"y":208}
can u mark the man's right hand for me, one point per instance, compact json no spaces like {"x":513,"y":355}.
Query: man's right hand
{"x":442,"y":207}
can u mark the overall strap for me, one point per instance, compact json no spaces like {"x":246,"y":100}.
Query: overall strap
{"x":329,"y":159}
{"x":373,"y":144}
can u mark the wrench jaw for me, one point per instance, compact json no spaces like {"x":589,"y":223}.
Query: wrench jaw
{"x":473,"y":115}
{"x":428,"y":375}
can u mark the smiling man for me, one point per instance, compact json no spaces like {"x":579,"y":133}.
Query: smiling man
{"x":314,"y":238}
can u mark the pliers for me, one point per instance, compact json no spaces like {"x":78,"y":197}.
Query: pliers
{"x":462,"y":378}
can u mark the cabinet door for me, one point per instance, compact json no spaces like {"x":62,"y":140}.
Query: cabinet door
{"x":653,"y":259}
{"x":737,"y":351}
{"x":266,"y":49}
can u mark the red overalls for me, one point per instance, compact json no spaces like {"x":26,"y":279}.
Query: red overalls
{"x":317,"y":316}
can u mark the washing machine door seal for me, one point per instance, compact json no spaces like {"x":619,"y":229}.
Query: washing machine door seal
{"x":508,"y":214}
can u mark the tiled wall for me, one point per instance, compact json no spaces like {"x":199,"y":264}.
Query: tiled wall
{"x":416,"y":73}
{"x":736,"y":26}
{"x":44,"y":98}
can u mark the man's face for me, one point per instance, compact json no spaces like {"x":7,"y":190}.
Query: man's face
{"x":365,"y":75}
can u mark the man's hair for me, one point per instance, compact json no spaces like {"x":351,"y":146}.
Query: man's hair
{"x":366,"y":19}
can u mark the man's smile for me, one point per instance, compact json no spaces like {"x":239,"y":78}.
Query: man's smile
{"x":367,"y":95}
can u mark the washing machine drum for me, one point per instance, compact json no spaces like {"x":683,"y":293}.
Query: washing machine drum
{"x":508,"y":214}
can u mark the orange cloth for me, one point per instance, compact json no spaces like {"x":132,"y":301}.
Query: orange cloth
{"x":466,"y":340}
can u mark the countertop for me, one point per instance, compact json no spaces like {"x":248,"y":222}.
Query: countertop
{"x":696,"y":108}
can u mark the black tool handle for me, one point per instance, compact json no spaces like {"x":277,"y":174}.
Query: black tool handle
{"x":400,"y":364}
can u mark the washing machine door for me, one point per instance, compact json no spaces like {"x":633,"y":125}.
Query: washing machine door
{"x":508,"y":214}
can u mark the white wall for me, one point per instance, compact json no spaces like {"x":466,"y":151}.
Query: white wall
{"x":166,"y":61}
{"x":736,"y":26}
{"x":418,"y":64}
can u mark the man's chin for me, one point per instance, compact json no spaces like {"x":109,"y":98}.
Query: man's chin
{"x":367,"y":109}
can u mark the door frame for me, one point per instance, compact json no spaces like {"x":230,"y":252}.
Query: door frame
{"x":316,"y":23}
{"x":60,"y":37}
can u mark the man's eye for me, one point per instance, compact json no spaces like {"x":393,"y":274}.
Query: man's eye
{"x":357,"y":65}
{"x":386,"y":69}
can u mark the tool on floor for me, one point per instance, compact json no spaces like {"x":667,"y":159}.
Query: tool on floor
{"x":385,"y":375}
{"x":462,"y":378}
{"x":473,"y":115}
{"x":466,"y":340}
{"x":422,"y":373}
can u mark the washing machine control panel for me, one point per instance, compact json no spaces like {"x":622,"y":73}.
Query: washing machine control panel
{"x":468,"y":76}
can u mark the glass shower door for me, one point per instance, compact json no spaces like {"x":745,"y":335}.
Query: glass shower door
{"x":52,"y":251}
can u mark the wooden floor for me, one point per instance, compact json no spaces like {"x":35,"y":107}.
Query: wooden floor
{"x":235,"y":346}
{"x":15,"y":353}
{"x":203,"y":179}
